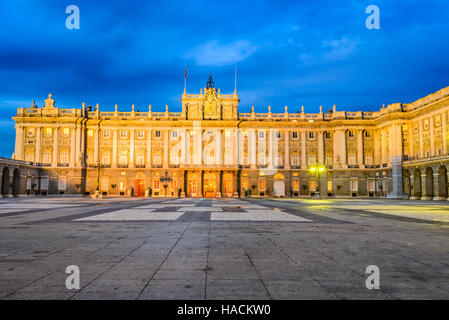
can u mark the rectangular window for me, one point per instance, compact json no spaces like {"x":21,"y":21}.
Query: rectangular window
{"x":174,"y":134}
{"x":327,"y":135}
{"x":157,"y":134}
{"x":312,"y":160}
{"x":48,"y":132}
{"x":140,"y":134}
{"x":106,"y":134}
{"x":312,"y":185}
{"x":277,"y":135}
{"x":351,"y":134}
{"x":156,"y":184}
{"x":311,"y":135}
{"x":295,"y":160}
{"x":261,"y":185}
{"x":62,"y":183}
{"x":66,"y":132}
{"x":329,"y":186}
{"x":123,"y":134}
{"x":352,"y":160}
{"x":295,"y":185}
{"x":368,"y":134}
{"x":105,"y":159}
{"x":261,"y":135}
{"x":64,"y":157}
{"x":90,"y":133}
{"x":371,"y":186}
{"x":295,"y":135}
{"x":354,"y":185}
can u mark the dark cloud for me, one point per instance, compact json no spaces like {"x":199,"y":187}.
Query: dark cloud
{"x":291,"y":53}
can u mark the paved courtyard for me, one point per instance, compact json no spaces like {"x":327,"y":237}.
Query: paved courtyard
{"x":130,"y":248}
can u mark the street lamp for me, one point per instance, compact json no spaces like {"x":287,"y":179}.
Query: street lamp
{"x":317,"y":170}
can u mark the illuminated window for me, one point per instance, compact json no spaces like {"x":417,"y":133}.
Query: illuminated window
{"x":123,"y":157}
{"x":106,"y":159}
{"x":329,"y":185}
{"x":46,"y":157}
{"x":352,"y":159}
{"x":30,"y":132}
{"x":64,"y":157}
{"x":311,"y":161}
{"x":140,"y":159}
{"x":66,"y":132}
{"x":106,"y":134}
{"x":156,"y":184}
{"x":369,"y":159}
{"x":262,"y":185}
{"x":48,"y":131}
{"x":140,"y":134}
{"x":312,"y":185}
{"x":295,"y":185}
{"x":90,"y":132}
{"x":295,"y":160}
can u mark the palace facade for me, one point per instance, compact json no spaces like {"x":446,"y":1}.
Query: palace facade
{"x":209,"y":149}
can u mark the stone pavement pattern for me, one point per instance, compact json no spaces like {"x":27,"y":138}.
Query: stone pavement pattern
{"x":223,"y":248}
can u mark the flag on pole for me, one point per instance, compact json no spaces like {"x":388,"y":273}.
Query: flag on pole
{"x":185,"y":72}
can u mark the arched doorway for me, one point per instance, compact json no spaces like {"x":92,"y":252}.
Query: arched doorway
{"x":406,"y":182}
{"x":428,"y":184}
{"x":227,"y":185}
{"x":210,"y":185}
{"x":416,"y":187}
{"x":442,"y":183}
{"x":279,"y":185}
{"x":16,"y":183}
{"x":5,"y":182}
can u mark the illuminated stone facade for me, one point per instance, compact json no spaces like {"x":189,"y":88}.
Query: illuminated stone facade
{"x":210,"y":149}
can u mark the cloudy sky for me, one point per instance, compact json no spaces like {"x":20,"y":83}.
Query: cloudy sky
{"x":291,"y":53}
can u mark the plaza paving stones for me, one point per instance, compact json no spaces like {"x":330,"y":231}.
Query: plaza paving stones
{"x":135,"y":248}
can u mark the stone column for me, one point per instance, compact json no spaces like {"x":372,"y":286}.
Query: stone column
{"x":183,"y":146}
{"x":432,"y":137}
{"x":218,"y":147}
{"x":253,"y":149}
{"x":38,"y":157}
{"x":166,"y":147}
{"x":444,"y":132}
{"x":96,"y":146}
{"x":436,"y":186}
{"x":360,"y":155}
{"x":396,"y":162}
{"x":303,"y":150}
{"x":340,"y":149}
{"x":320,"y":148}
{"x":237,"y":146}
{"x":421,"y":142}
{"x":287,"y":149}
{"x":18,"y":152}
{"x":78,"y":145}
{"x":114,"y":149}
{"x":72,"y":146}
{"x":377,"y":146}
{"x":148,"y":165}
{"x":132,"y":148}
{"x":55,"y":147}
{"x":424,"y":194}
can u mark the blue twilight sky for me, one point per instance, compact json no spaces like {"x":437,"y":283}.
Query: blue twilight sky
{"x":291,"y":53}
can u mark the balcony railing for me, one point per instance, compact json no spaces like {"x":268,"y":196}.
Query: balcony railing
{"x":121,"y":165}
{"x":353,"y":166}
{"x":139,"y":166}
{"x":63,"y":164}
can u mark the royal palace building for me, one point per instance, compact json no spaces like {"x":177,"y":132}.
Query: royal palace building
{"x":209,"y":149}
